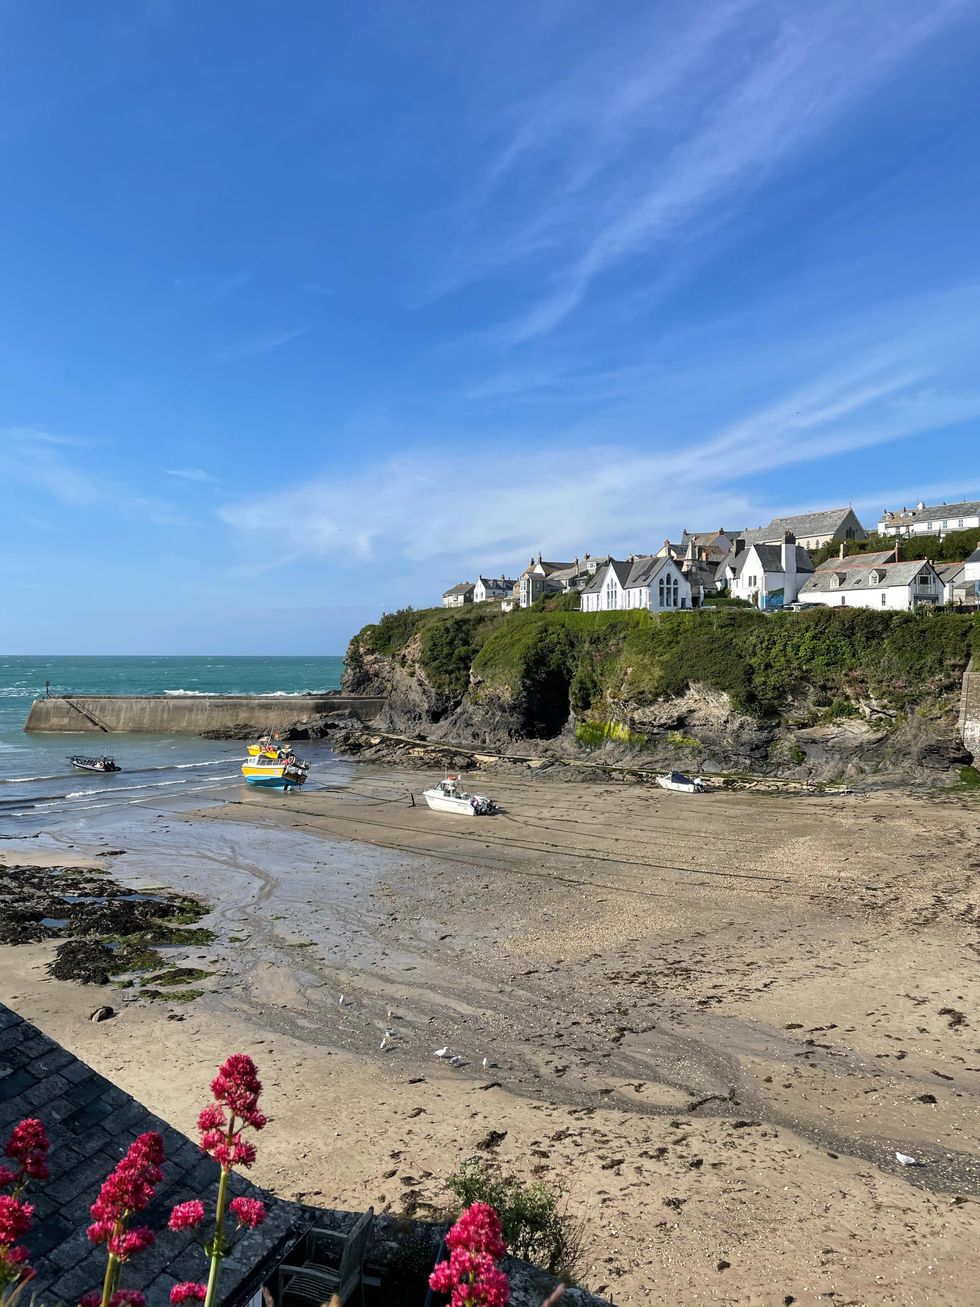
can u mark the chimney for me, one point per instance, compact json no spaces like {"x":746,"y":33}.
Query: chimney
{"x":788,"y":559}
{"x":897,"y":552}
{"x":739,"y":546}
{"x":843,"y":550}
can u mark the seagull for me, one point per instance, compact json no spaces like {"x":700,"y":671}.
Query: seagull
{"x":385,"y":1043}
{"x":904,"y":1159}
{"x":389,"y":1031}
{"x":486,"y":1063}
{"x":456,"y":1061}
{"x":341,"y":1000}
{"x":442,"y":1052}
{"x":389,"y":1014}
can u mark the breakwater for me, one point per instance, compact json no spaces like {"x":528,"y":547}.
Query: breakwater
{"x":191,"y":714}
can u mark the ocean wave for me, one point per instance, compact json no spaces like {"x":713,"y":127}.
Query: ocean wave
{"x":184,"y":694}
{"x":23,"y":780}
{"x":120,"y":789}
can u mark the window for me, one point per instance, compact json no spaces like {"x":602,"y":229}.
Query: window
{"x":925,"y":581}
{"x":884,"y":598}
{"x":944,"y":524}
{"x":611,"y":596}
{"x":959,"y":523}
{"x":842,"y":601}
{"x":928,"y":526}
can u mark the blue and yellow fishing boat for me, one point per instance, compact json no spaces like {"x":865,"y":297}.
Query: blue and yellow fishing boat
{"x":274,"y":769}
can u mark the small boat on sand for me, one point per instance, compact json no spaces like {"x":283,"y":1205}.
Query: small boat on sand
{"x":448,"y":797}
{"x":103,"y":764}
{"x":275,"y":770}
{"x":676,"y":780}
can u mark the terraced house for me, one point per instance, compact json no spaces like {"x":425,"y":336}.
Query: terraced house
{"x":878,"y":580}
{"x":931,"y":519}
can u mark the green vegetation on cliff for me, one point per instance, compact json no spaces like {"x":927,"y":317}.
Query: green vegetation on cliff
{"x":555,"y":663}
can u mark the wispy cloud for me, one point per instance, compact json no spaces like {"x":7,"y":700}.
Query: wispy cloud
{"x":192,"y":474}
{"x":31,"y":457}
{"x":667,"y":135}
{"x":579,"y":488}
{"x":263,"y":343}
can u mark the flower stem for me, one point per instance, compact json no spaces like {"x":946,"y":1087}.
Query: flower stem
{"x":108,"y":1282}
{"x":217,"y":1246}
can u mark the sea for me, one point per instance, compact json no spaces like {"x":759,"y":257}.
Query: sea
{"x":40,"y":791}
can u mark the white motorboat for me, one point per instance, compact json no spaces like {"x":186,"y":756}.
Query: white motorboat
{"x":448,"y":797}
{"x":676,"y":780}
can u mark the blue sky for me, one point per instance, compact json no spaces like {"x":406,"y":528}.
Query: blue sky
{"x":310,"y":311}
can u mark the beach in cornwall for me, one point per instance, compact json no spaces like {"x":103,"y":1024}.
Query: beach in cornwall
{"x":714,"y":1021}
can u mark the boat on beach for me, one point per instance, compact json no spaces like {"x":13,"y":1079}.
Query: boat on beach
{"x":275,"y":770}
{"x":676,"y":780}
{"x":448,"y":797}
{"x":103,"y":764}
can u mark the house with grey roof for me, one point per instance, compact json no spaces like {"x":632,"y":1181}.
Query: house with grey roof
{"x":957,"y":589}
{"x":878,"y":580}
{"x":767,"y":575}
{"x":492,"y":587}
{"x":650,"y":581}
{"x":971,"y":570}
{"x":931,"y":519}
{"x":811,"y":530}
{"x":458,"y":595}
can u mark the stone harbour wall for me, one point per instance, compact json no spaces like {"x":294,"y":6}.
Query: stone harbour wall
{"x":191,"y":714}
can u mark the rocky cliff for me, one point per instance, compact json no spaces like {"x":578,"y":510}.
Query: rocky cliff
{"x":818,"y":695}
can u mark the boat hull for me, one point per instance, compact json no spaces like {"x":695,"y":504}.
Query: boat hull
{"x":272,"y":778}
{"x":446,"y":803}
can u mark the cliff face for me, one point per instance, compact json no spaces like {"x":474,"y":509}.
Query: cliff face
{"x":822,"y":695}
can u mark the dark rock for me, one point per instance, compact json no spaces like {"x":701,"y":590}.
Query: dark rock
{"x":103,"y":1013}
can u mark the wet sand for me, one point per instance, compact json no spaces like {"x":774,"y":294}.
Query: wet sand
{"x":712,"y":1020}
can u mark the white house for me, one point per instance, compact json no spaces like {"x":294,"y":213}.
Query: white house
{"x":931,"y":520}
{"x":490,"y":587}
{"x":458,"y":595}
{"x":651,"y":582}
{"x":971,"y":568}
{"x":768,"y":576}
{"x":873,"y":581}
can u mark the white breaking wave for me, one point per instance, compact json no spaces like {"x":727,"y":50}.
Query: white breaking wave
{"x":199,"y":694}
{"x":119,"y":789}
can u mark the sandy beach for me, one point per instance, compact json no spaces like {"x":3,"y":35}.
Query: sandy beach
{"x":712,"y":1021}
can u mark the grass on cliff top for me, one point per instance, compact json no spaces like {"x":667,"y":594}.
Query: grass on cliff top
{"x":555,"y":662}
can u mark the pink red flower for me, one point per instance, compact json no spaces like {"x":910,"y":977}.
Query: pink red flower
{"x":91,"y":1299}
{"x":187,"y":1216}
{"x":249,"y":1211}
{"x":126,"y":1245}
{"x":188,"y":1292}
{"x":28,"y":1145}
{"x":210,"y":1118}
{"x":479,"y":1230}
{"x":237,"y":1086}
{"x":472,"y":1280}
{"x":129,"y":1187}
{"x":127,"y":1298}
{"x":471,"y":1276}
{"x":6,"y":1176}
{"x":15,"y":1219}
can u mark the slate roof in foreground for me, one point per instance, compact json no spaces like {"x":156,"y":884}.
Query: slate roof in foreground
{"x":91,"y":1123}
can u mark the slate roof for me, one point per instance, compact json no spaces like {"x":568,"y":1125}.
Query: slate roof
{"x":858,"y":560}
{"x":933,"y":512}
{"x":949,"y":572}
{"x":974,"y":557}
{"x":644,"y":570}
{"x":463,"y":588}
{"x":771,"y":558}
{"x":91,"y":1123}
{"x":622,"y":570}
{"x":857,"y":575}
{"x":495,"y":583}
